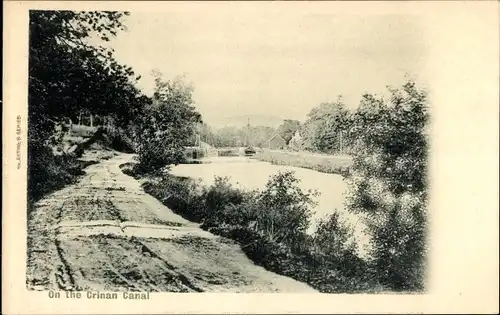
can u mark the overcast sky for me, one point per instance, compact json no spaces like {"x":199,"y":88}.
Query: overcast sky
{"x":272,"y":62}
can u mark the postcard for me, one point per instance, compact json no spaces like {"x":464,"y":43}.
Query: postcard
{"x":250,"y":157}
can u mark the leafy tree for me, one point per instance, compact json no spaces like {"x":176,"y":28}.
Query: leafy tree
{"x":234,"y":137}
{"x":288,"y":128}
{"x":226,"y":137}
{"x":296,"y":143}
{"x":260,"y":135}
{"x":323,"y":126}
{"x":389,"y":185}
{"x":206,"y":133}
{"x":167,"y":125}
{"x":69,"y":76}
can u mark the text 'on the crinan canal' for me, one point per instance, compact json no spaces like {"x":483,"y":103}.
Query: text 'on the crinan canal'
{"x":95,"y":295}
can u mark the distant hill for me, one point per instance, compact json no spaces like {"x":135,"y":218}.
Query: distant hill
{"x":239,"y":121}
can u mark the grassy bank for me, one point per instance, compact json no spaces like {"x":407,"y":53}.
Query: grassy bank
{"x":48,"y":172}
{"x":227,"y":152}
{"x":270,"y":225}
{"x":316,"y":162}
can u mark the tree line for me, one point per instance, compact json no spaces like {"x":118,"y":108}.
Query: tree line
{"x":330,"y":127}
{"x":387,"y":137}
{"x":69,"y":77}
{"x":387,"y":186}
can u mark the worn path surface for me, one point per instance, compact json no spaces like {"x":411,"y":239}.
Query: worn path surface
{"x":105,"y":233}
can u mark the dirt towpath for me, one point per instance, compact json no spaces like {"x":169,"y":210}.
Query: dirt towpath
{"x":106,"y":234}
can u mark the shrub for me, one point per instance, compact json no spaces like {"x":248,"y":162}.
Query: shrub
{"x":227,"y":152}
{"x":120,"y":140}
{"x":180,"y":194}
{"x":284,"y":209}
{"x":227,"y":205}
{"x":82,"y":130}
{"x":390,"y":184}
{"x":397,"y":256}
{"x":334,"y":250}
{"x":47,"y":172}
{"x":271,"y":227}
{"x":333,"y":239}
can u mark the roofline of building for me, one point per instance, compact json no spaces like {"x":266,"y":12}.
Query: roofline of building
{"x":276,"y":134}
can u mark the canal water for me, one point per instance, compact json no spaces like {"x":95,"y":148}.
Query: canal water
{"x":248,"y":173}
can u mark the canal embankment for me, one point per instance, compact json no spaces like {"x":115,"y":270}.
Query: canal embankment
{"x":277,"y":222}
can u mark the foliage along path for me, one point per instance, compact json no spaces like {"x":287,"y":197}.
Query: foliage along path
{"x":105,"y":233}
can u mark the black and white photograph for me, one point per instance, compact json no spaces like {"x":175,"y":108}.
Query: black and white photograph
{"x":237,"y":147}
{"x":262,"y":154}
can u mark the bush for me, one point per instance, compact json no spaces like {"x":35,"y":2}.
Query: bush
{"x":284,"y":209}
{"x":279,"y":214}
{"x":397,"y":256}
{"x":47,"y":173}
{"x":271,"y":227}
{"x":389,"y":185}
{"x":180,"y":194}
{"x":334,"y":251}
{"x":82,"y":130}
{"x":274,"y":256}
{"x":226,"y":205}
{"x":333,"y":239}
{"x":120,"y":140}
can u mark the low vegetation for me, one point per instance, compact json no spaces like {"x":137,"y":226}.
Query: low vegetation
{"x":323,"y":164}
{"x":49,"y":172}
{"x":386,"y":137}
{"x":388,"y":187}
{"x":82,"y":130}
{"x":270,"y":225}
{"x":52,"y":168}
{"x":228,"y":152}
